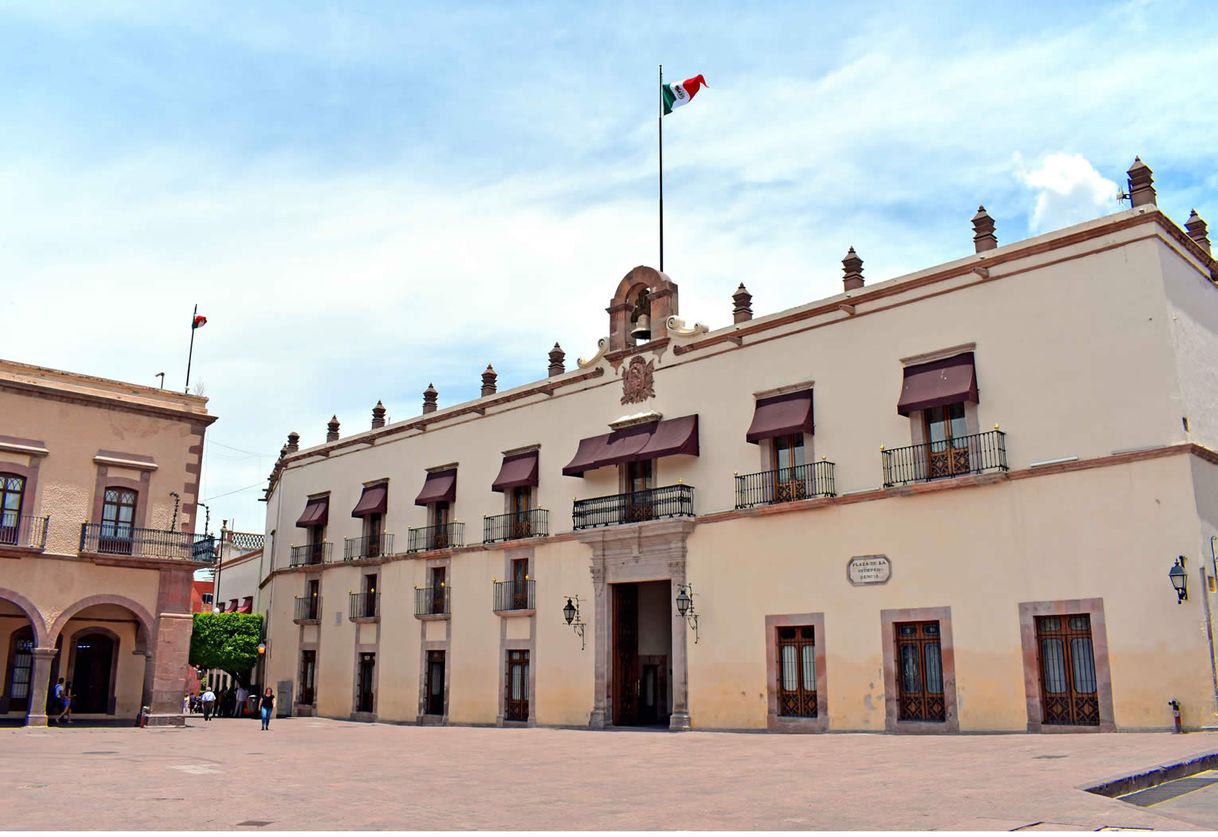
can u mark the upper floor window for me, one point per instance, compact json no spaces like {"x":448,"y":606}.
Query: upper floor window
{"x":640,"y":476}
{"x":12,"y":491}
{"x":788,"y":453}
{"x":521,"y":500}
{"x":118,"y":520}
{"x":945,"y":426}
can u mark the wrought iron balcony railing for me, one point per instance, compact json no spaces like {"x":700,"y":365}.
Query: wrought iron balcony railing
{"x":973,"y":454}
{"x":365,"y":606}
{"x":632,"y":507}
{"x":514,"y":595}
{"x":245,"y":541}
{"x":23,"y":530}
{"x":369,"y":546}
{"x":121,"y":539}
{"x":311,"y":553}
{"x":799,"y":482}
{"x":436,"y":537}
{"x":534,"y":523}
{"x":431,"y":601}
{"x":308,"y":609}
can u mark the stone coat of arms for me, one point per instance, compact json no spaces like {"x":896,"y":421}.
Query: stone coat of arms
{"x":638,"y":384}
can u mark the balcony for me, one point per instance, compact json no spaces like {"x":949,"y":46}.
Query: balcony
{"x":650,"y":504}
{"x":514,"y":596}
{"x":307,"y":609}
{"x":310,"y":553}
{"x":364,"y":606}
{"x":445,"y":536}
{"x":25,"y":531}
{"x":370,"y":546}
{"x":431,"y":602}
{"x":799,"y":482}
{"x":534,"y":523}
{"x":974,"y":454}
{"x":121,"y":539}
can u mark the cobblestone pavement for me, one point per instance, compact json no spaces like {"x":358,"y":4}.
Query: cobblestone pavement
{"x":310,"y":773}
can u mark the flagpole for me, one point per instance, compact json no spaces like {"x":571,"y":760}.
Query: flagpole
{"x":660,"y":120}
{"x":190,"y":356}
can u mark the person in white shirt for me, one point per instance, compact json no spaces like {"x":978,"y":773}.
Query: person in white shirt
{"x":242,"y":698}
{"x":209,"y":703}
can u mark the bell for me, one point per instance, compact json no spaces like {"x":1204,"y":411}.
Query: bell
{"x":642,"y":328}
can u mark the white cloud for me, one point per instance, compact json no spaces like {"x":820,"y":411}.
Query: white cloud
{"x":1068,"y":190}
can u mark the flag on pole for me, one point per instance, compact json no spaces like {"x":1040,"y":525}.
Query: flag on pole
{"x":676,"y":95}
{"x":199,"y":321}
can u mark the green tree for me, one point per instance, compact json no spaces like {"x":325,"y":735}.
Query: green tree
{"x":227,"y":641}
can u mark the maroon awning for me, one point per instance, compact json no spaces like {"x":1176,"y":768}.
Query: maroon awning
{"x":631,"y":444}
{"x":950,"y":380}
{"x":589,"y":453}
{"x":247,"y":605}
{"x":781,"y":415}
{"x":374,"y":500}
{"x":671,"y":438}
{"x":518,"y":470}
{"x":232,"y":606}
{"x":316,"y":512}
{"x":440,"y":487}
{"x":220,"y":607}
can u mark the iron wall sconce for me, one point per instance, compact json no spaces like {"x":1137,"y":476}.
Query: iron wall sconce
{"x":571,"y":614}
{"x":1179,"y":580}
{"x":685,"y":607}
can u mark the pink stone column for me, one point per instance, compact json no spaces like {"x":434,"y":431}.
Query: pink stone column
{"x":40,"y":675}
{"x":168,"y":663}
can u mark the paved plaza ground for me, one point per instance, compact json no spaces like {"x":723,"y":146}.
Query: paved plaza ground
{"x":320,"y":774}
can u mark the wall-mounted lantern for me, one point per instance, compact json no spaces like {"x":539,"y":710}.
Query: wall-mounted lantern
{"x":261,"y":648}
{"x":571,"y":614}
{"x":685,"y":607}
{"x":1179,"y":580}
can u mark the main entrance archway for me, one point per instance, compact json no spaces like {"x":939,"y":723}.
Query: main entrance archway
{"x":642,"y":645}
{"x":94,"y":661}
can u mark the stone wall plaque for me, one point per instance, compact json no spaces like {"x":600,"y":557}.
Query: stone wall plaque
{"x":869,"y":569}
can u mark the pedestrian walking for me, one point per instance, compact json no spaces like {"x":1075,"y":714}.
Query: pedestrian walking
{"x":65,"y":716}
{"x":267,"y":706}
{"x":242,"y":700}
{"x":57,"y":698}
{"x":209,"y":703}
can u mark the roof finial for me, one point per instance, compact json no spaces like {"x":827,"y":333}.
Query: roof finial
{"x":852,"y":268}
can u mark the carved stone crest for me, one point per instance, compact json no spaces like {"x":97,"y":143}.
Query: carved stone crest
{"x":638,"y":384}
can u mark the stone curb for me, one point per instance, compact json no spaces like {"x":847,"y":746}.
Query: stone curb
{"x":1157,"y":775}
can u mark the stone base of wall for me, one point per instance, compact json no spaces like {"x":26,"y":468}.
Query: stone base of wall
{"x":178,"y":720}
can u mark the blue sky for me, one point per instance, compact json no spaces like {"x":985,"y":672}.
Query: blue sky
{"x":367,"y":197}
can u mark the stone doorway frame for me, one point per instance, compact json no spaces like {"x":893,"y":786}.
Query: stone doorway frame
{"x":633,"y":553}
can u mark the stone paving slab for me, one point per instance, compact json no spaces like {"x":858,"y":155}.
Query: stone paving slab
{"x":309,"y":773}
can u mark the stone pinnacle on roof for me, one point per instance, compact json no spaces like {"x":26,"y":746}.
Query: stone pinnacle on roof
{"x":489,"y":379}
{"x":557,"y":361}
{"x":742,"y":305}
{"x":430,"y":399}
{"x":378,"y":415}
{"x":852,"y":270}
{"x":332,"y":429}
{"x":983,"y":231}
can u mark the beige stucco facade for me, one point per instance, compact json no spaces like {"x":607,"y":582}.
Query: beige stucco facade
{"x":99,"y":481}
{"x":1091,"y":349}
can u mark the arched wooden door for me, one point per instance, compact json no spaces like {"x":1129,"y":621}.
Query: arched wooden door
{"x":91,"y":673}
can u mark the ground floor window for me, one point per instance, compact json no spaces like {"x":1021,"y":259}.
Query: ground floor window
{"x":20,"y":669}
{"x":797,"y":672}
{"x":308,"y":677}
{"x":920,"y":672}
{"x":363,"y":688}
{"x":516,"y":694}
{"x":1067,"y":670}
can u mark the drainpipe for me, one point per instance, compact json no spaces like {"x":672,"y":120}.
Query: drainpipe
{"x":1209,"y":625}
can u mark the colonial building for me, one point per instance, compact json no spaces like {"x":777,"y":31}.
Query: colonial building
{"x":942,"y":502}
{"x":98,"y":485}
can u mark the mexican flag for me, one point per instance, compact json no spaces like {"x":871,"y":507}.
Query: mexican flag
{"x":676,"y":95}
{"x":199,"y":321}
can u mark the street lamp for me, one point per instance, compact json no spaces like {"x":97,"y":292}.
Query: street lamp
{"x":685,"y":607}
{"x":1179,"y":580}
{"x":570,"y":613}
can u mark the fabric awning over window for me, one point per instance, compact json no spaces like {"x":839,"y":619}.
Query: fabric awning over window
{"x":247,"y":605}
{"x":950,"y":380}
{"x":518,"y":470}
{"x":440,"y":487}
{"x":316,"y":512}
{"x":374,"y":500}
{"x":232,"y":606}
{"x":632,"y":444}
{"x":781,"y":415}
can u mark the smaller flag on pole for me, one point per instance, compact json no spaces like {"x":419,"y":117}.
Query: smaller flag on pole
{"x":681,"y":93}
{"x":199,"y":321}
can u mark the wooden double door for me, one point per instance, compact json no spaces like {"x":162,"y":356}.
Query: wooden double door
{"x":640,"y":681}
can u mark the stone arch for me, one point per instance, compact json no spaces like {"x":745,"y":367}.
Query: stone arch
{"x":143,"y":634}
{"x":662,"y":296}
{"x":42,"y":637}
